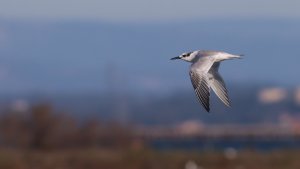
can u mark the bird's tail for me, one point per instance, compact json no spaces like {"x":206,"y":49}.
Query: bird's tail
{"x":236,"y":56}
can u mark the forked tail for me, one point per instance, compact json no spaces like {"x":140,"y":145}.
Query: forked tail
{"x":236,"y":56}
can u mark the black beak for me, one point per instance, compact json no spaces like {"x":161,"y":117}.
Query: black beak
{"x":175,"y":58}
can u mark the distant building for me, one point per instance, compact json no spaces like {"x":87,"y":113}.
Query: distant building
{"x":272,"y":95}
{"x":297,"y":95}
{"x":20,"y":105}
{"x":190,"y":127}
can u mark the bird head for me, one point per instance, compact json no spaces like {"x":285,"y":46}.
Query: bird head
{"x":185,"y":56}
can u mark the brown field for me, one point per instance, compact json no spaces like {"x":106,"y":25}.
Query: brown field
{"x":43,"y":139}
{"x":145,"y":159}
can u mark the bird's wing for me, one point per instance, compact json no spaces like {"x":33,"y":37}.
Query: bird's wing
{"x":200,"y":84}
{"x":217,"y":84}
{"x":200,"y":81}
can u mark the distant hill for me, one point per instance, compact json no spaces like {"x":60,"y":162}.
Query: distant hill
{"x":165,"y":109}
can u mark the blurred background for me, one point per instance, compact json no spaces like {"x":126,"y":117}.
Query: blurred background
{"x":89,"y":84}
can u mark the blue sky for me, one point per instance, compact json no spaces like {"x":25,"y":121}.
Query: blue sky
{"x":147,"y":10}
{"x":72,"y":55}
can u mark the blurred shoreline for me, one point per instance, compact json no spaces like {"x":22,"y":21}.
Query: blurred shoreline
{"x":42,"y":128}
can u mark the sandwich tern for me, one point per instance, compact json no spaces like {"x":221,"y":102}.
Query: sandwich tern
{"x":204,"y":74}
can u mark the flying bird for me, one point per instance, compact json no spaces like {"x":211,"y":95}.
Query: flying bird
{"x":204,"y":74}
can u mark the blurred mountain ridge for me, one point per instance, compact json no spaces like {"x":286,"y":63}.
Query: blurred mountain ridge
{"x":250,"y":105}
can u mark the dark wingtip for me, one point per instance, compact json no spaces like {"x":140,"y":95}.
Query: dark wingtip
{"x":228,"y":104}
{"x":207,"y":109}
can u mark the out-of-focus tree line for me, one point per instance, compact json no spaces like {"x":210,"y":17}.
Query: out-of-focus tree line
{"x":42,"y":128}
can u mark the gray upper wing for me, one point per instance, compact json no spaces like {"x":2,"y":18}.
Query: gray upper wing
{"x":199,"y":77}
{"x":217,"y":84}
